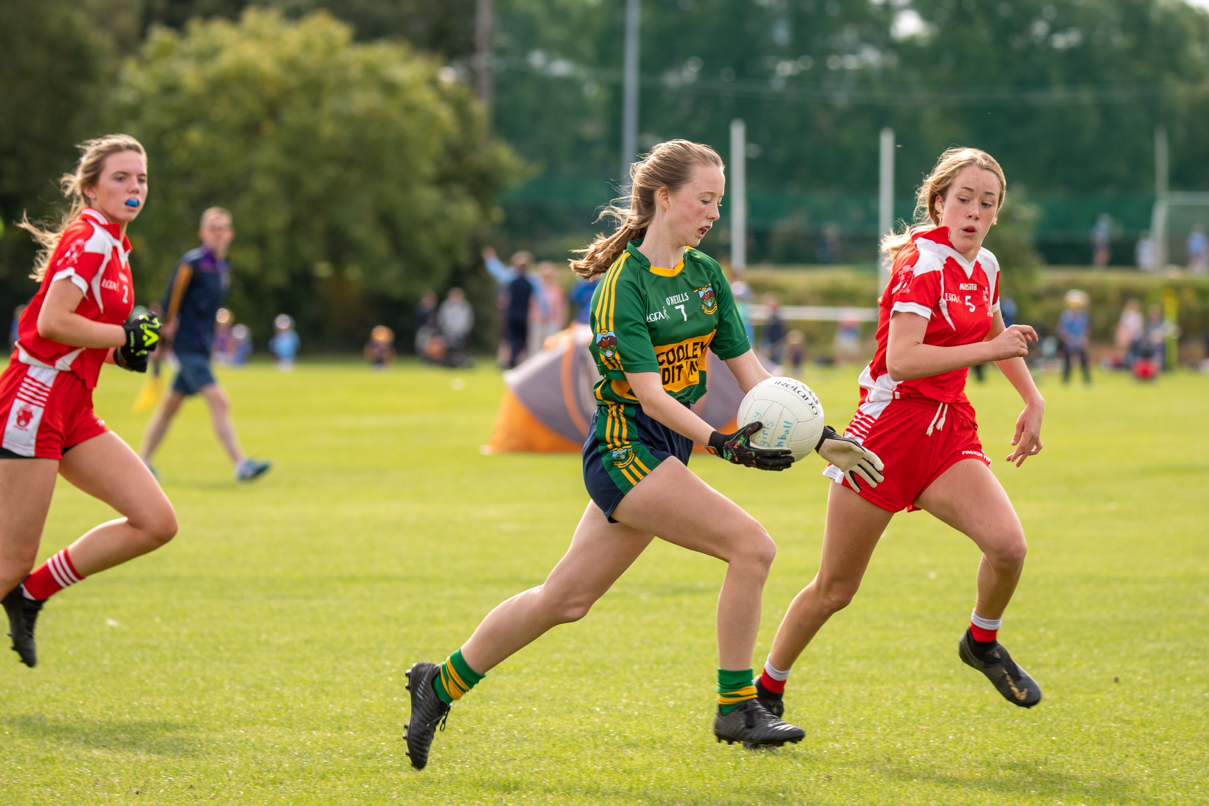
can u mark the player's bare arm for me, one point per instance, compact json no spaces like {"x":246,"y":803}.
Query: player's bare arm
{"x":908,"y":357}
{"x":648,"y":388}
{"x":59,"y":321}
{"x":1027,"y":437}
{"x":748,"y":370}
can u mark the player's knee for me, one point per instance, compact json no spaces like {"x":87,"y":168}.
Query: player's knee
{"x":1008,"y":553}
{"x":764,"y":549}
{"x":835,"y":596}
{"x":159,"y":525}
{"x":571,"y":608}
{"x":754,"y":549}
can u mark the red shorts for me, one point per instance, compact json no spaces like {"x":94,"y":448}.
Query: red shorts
{"x":45,"y":411}
{"x":918,"y":440}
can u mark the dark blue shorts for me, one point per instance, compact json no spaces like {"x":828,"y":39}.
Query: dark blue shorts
{"x":194,"y":373}
{"x":623,"y":446}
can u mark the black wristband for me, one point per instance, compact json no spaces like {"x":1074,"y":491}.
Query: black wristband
{"x":828,"y":433}
{"x":717,"y":442}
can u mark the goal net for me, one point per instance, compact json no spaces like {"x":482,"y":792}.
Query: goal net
{"x":1175,"y":218}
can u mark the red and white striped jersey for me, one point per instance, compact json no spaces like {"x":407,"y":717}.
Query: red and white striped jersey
{"x":94,"y":255}
{"x":959,"y":299}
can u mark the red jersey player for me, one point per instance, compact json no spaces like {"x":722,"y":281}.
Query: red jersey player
{"x":76,"y":322}
{"x":939,"y":315}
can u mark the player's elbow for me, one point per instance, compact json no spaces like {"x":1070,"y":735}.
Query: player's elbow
{"x":50,"y":326}
{"x":898,"y":368}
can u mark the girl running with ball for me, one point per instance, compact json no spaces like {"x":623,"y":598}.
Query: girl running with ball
{"x":939,"y":315}
{"x":659,"y":306}
{"x":76,"y":322}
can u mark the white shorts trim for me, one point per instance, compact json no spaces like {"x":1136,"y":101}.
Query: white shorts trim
{"x":25,"y":414}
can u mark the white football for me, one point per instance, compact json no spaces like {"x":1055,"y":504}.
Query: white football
{"x":791,"y":413}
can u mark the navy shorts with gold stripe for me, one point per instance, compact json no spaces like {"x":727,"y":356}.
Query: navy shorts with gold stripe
{"x":623,"y":446}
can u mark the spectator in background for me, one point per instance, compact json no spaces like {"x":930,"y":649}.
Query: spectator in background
{"x":1154,"y":337}
{"x":553,"y":317}
{"x":1143,"y":251}
{"x":1130,"y":328}
{"x":220,"y":352}
{"x":455,"y":320}
{"x":795,"y":346}
{"x":284,"y":344}
{"x":195,"y":293}
{"x":848,"y":337}
{"x":380,"y":349}
{"x":581,"y":298}
{"x":241,"y":341}
{"x":773,"y":342}
{"x":1197,"y":246}
{"x":828,"y":251}
{"x":515,"y":302}
{"x":1007,"y":307}
{"x":1101,"y":241}
{"x":426,"y":322}
{"x":1073,"y":330}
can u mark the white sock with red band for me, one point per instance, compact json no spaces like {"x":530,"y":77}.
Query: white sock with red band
{"x":51,"y":577}
{"x":773,"y":678}
{"x":984,"y":629}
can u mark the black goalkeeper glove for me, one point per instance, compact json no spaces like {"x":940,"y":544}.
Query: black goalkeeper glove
{"x":142,"y":335}
{"x":130,"y":361}
{"x":850,"y":457}
{"x":736,"y":448}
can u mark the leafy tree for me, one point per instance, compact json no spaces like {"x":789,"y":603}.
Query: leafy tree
{"x":356,"y":175}
{"x":445,"y":28}
{"x":54,"y":80}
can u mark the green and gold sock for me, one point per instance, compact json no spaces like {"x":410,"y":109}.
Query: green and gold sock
{"x":734,"y":687}
{"x":455,"y":679}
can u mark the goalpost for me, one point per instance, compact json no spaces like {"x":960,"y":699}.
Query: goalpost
{"x":1173,"y":219}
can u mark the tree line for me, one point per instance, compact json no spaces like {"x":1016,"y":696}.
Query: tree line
{"x":345,"y":137}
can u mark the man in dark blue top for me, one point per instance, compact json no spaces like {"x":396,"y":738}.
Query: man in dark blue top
{"x":195,"y":293}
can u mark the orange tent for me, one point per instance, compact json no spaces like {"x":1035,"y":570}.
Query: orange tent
{"x":548,"y":402}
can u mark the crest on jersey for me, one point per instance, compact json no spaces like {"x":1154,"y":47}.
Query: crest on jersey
{"x":709,"y":300}
{"x":622,"y":457}
{"x":24,"y":415}
{"x":606,"y":344}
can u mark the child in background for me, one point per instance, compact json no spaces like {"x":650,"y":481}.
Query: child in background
{"x":284,"y":344}
{"x":241,"y":345}
{"x":1073,"y":330}
{"x":380,"y":349}
{"x":220,"y":352}
{"x":773,"y":342}
{"x":795,"y":347}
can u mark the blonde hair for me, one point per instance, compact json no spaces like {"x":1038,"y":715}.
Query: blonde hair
{"x":87,"y":174}
{"x":937,"y":183}
{"x":667,"y":165}
{"x":212,"y":212}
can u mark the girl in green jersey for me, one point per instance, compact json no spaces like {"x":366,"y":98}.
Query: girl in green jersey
{"x":660,"y":304}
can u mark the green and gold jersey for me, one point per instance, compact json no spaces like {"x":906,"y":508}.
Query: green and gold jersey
{"x":648,"y":319}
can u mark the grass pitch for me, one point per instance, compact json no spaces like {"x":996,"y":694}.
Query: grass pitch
{"x":259,"y":657}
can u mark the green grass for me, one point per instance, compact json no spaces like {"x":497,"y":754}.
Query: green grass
{"x":259,"y":657}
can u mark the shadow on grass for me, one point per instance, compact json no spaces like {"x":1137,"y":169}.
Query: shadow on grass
{"x":1022,"y":780}
{"x":153,"y":737}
